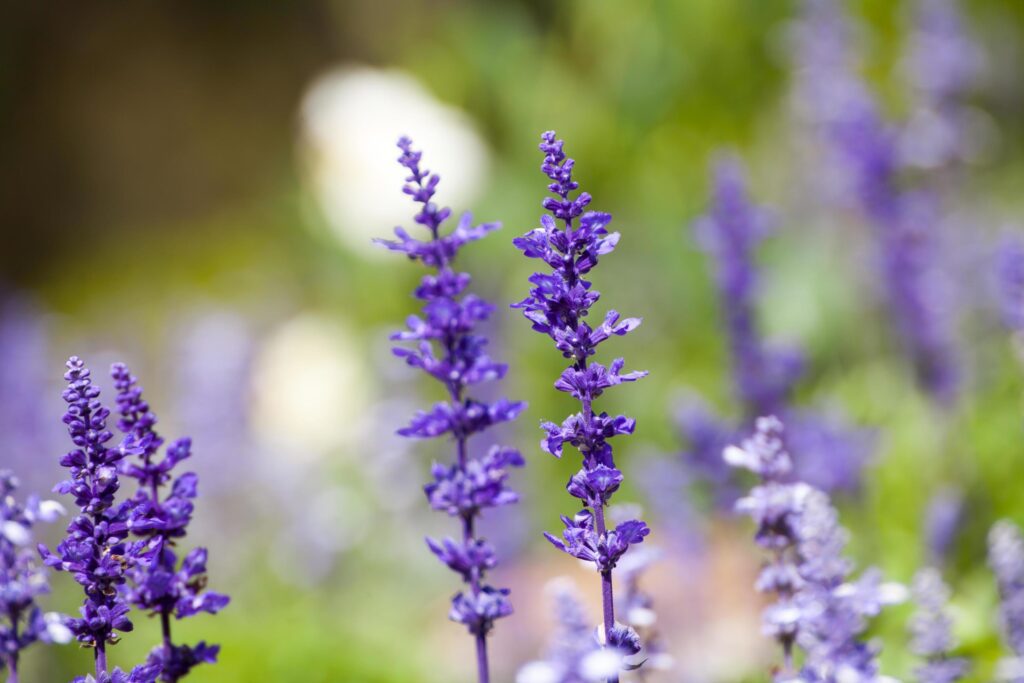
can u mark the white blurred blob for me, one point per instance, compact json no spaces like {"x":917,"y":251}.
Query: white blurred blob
{"x":351,"y":120}
{"x":537,"y":672}
{"x":310,"y":389}
{"x":600,"y":665}
{"x":51,"y":510}
{"x":15,"y":533}
{"x":56,"y":631}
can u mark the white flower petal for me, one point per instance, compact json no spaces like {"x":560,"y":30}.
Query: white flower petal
{"x":15,"y":533}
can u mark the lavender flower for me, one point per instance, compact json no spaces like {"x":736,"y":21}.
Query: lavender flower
{"x":573,"y":648}
{"x":931,"y":629}
{"x":21,"y":579}
{"x":558,"y":306}
{"x":448,"y":350}
{"x":941,"y":64}
{"x":160,"y":585}
{"x":863,"y":146}
{"x":96,"y":551}
{"x":830,"y":455}
{"x":818,"y":607}
{"x":732,"y":230}
{"x":775,"y":505}
{"x":833,"y":608}
{"x":1006,"y":558}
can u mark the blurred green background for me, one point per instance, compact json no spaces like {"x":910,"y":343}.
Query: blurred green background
{"x":192,"y":186}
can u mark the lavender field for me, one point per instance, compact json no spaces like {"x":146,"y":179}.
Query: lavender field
{"x":314,"y":316}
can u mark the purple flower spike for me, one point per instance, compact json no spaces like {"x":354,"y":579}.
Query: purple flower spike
{"x":571,"y":242}
{"x":829,"y":454}
{"x":1006,"y":558}
{"x":931,"y":630}
{"x":817,"y":607}
{"x":22,"y":580}
{"x":446,"y":347}
{"x":159,"y":585}
{"x":865,"y":148}
{"x":96,"y":550}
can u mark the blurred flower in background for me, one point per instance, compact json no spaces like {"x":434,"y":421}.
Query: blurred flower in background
{"x":350,"y":119}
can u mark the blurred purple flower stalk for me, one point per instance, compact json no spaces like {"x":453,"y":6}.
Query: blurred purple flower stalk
{"x":448,"y":349}
{"x":865,"y":148}
{"x":570,"y":242}
{"x":831,"y":454}
{"x":22,"y":580}
{"x":818,"y":607}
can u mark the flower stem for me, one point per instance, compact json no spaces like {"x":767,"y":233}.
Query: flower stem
{"x":101,"y":660}
{"x":607,"y":596}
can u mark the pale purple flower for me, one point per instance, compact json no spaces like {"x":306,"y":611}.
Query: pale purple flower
{"x":22,"y":579}
{"x":1006,"y":558}
{"x":931,"y":630}
{"x":775,"y":505}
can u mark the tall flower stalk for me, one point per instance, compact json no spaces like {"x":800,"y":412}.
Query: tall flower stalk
{"x":448,"y":348}
{"x":828,"y":453}
{"x":865,"y":148}
{"x":22,"y":580}
{"x":820,"y":608}
{"x":570,"y":242}
{"x":96,"y":550}
{"x":159,"y":585}
{"x":931,"y":629}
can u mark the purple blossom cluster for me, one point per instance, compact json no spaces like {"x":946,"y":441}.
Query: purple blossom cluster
{"x":574,"y":654}
{"x":831,"y":454}
{"x":114,"y":571}
{"x":819,"y":607}
{"x":447,"y":347}
{"x":570,"y":242}
{"x":865,"y":149}
{"x":22,"y":580}
{"x":931,"y":630}
{"x":1006,"y":558}
{"x":97,"y":551}
{"x":161,"y":585}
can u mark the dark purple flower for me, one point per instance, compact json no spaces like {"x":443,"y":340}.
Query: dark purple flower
{"x":96,"y":550}
{"x":22,"y":580}
{"x":571,"y":242}
{"x":931,"y":630}
{"x":147,"y":673}
{"x":159,"y":584}
{"x":446,"y":346}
